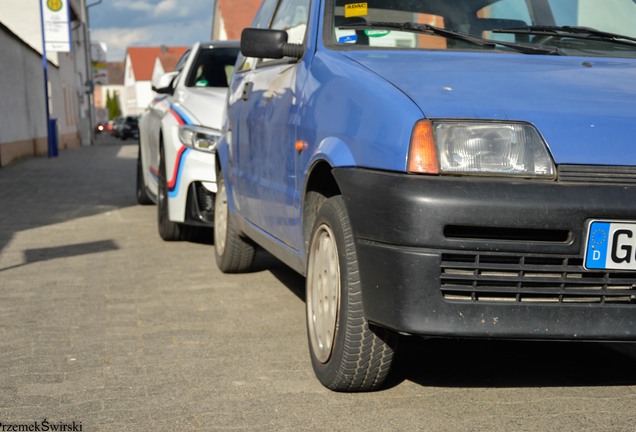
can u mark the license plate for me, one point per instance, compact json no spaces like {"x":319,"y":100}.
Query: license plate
{"x":611,"y":245}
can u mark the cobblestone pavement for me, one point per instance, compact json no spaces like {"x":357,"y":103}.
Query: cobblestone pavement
{"x":104,"y":325}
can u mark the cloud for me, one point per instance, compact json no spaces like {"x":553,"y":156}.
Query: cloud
{"x":118,"y":39}
{"x":168,"y":7}
{"x":124,"y":23}
{"x":134,"y":5}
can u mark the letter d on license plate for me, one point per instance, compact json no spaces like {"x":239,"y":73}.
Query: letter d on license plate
{"x":611,"y":245}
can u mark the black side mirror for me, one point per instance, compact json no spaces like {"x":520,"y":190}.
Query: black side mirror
{"x":266,"y":43}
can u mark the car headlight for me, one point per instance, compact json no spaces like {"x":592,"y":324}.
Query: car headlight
{"x":479,"y":148}
{"x":199,"y":138}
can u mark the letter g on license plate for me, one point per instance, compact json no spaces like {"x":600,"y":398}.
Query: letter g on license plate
{"x":611,"y":245}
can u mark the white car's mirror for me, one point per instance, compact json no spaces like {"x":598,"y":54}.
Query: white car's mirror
{"x":163,"y":83}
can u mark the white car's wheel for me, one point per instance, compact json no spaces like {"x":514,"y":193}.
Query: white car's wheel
{"x":346,"y":353}
{"x":142,"y":193}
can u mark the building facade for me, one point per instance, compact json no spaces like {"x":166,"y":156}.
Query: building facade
{"x":23,"y":125}
{"x":231,"y":17}
{"x":140,"y":65}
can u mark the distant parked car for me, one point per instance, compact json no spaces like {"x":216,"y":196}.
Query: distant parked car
{"x":178,"y":136}
{"x":115,"y":126}
{"x":129,"y":128}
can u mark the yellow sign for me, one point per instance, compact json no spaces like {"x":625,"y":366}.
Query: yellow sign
{"x":356,"y":10}
{"x":54,"y":5}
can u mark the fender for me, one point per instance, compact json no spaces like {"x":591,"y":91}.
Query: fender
{"x":334,"y":151}
{"x":223,"y":161}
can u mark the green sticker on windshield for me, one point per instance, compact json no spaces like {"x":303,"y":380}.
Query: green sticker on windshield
{"x":377,"y":33}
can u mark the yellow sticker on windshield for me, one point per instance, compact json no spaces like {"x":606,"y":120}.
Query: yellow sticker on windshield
{"x":356,"y":10}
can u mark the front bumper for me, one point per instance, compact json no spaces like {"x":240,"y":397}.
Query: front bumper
{"x":477,"y":257}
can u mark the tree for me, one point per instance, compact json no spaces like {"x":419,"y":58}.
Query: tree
{"x":112,"y":103}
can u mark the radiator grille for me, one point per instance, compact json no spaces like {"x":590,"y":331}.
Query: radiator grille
{"x":625,"y":175}
{"x":530,"y":279}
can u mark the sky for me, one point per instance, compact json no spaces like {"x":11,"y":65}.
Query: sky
{"x":124,"y":23}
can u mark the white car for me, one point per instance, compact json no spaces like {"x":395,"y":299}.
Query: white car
{"x":178,"y":134}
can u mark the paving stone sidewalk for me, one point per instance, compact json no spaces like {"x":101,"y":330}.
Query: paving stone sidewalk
{"x":104,"y":327}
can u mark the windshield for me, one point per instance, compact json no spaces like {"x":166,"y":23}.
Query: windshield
{"x":563,"y":27}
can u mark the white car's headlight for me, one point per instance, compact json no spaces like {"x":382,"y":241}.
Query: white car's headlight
{"x":199,"y":138}
{"x":479,"y":148}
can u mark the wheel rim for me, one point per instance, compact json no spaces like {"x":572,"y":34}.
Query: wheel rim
{"x":323,"y":292}
{"x":220,"y":219}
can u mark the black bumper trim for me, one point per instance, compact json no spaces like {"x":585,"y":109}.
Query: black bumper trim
{"x":399,"y":224}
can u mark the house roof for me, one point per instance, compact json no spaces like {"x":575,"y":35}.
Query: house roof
{"x":143,"y":59}
{"x":238,"y":15}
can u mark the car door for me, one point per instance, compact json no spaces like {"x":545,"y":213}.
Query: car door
{"x":266,"y":157}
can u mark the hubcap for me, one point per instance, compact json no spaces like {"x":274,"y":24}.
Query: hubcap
{"x":323,"y":293}
{"x":220,"y":219}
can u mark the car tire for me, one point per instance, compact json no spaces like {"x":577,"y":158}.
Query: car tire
{"x":142,"y":193}
{"x":234,"y":254}
{"x":347,"y":353}
{"x":168,"y":230}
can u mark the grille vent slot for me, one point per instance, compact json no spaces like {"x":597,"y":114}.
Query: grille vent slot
{"x":530,"y":279}
{"x":625,"y":175}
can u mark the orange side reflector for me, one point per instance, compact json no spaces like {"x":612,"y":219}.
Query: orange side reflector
{"x":423,"y":153}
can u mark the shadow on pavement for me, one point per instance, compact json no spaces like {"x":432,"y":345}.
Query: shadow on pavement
{"x":67,"y":251}
{"x":79,"y":182}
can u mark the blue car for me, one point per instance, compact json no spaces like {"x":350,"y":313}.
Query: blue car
{"x":437,"y":168}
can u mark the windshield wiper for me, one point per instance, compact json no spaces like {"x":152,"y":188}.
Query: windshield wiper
{"x":449,"y":34}
{"x":570,"y":31}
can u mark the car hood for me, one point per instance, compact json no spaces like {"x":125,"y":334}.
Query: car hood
{"x":585,"y":108}
{"x":202,"y":105}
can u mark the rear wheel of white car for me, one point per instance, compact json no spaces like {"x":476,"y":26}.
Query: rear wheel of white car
{"x":234,"y":254}
{"x":347,"y":354}
{"x":142,"y":193}
{"x":168,"y":230}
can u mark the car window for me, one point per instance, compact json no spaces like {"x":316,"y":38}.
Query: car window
{"x":356,"y":24}
{"x":212,"y":67}
{"x":261,"y":20}
{"x":292,"y":16}
{"x":182,"y":61}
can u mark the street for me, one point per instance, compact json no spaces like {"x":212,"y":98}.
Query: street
{"x":105,"y":327}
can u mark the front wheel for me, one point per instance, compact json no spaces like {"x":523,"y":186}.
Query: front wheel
{"x":347,"y":354}
{"x":234,"y":254}
{"x":142,"y":192}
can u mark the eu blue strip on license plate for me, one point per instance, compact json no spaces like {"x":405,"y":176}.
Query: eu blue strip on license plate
{"x":611,"y":245}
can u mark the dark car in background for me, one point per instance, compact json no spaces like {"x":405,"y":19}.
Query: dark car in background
{"x":115,"y":126}
{"x":129,"y":128}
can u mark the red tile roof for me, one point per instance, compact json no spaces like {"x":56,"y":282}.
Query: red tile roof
{"x":143,"y":59}
{"x":238,"y":15}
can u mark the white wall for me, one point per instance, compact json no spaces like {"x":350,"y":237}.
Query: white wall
{"x":71,"y":103}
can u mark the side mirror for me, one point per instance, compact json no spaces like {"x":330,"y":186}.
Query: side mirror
{"x":163,"y":84}
{"x":267,"y":43}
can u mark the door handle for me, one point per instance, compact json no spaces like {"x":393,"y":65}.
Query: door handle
{"x":247,"y":90}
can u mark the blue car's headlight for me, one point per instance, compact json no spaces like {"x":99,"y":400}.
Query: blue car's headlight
{"x":199,"y":137}
{"x":479,"y":148}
